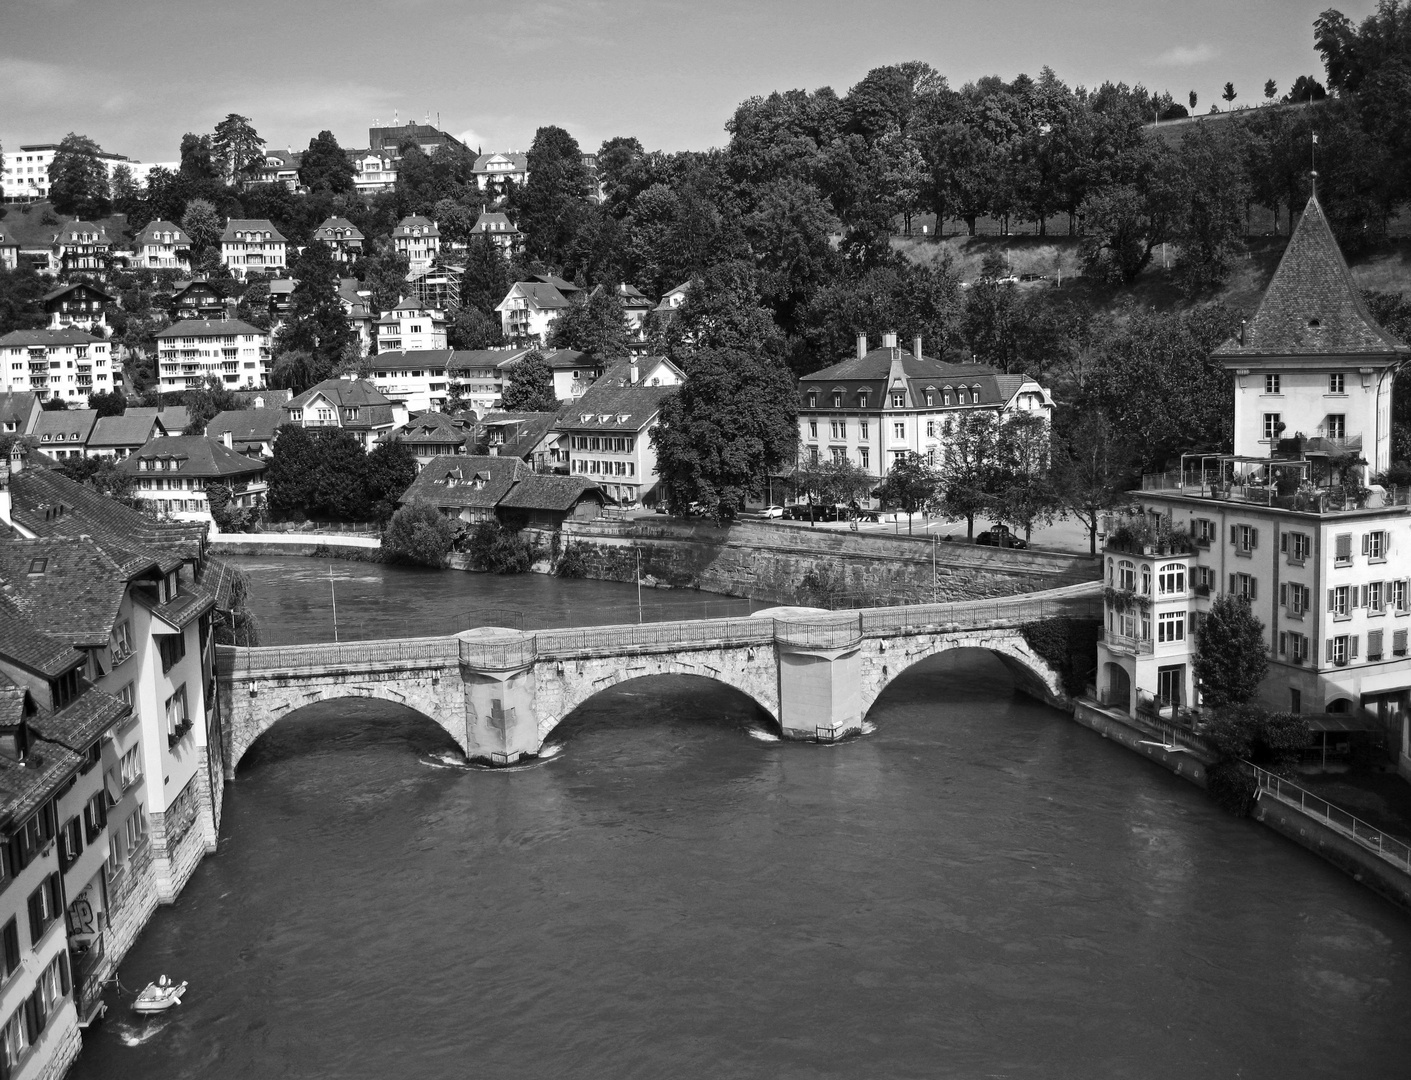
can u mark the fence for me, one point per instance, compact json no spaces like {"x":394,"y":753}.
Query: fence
{"x":667,"y":635}
{"x":231,"y":660}
{"x":1389,"y":848}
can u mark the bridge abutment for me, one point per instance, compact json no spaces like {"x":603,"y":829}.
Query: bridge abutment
{"x":497,"y":672}
{"x":820,"y":677}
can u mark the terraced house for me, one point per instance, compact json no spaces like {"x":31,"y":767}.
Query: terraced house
{"x":228,"y":350}
{"x":884,"y":403}
{"x":1287,"y":522}
{"x":64,"y":364}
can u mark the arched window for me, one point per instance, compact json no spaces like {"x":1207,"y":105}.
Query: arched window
{"x":1171,"y":579}
{"x":960,"y":396}
{"x":1127,"y":576}
{"x":1146,"y":580}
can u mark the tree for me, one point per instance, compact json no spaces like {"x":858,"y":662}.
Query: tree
{"x":910,"y":484}
{"x":1270,"y":89}
{"x":107,"y":403}
{"x":531,"y":385}
{"x":390,"y":469}
{"x":315,"y":324}
{"x":1230,"y":655}
{"x":1091,"y":469}
{"x":325,"y":167}
{"x":471,"y":328}
{"x":418,"y":533}
{"x":1229,"y":95}
{"x":54,"y":404}
{"x":1306,"y":88}
{"x":78,"y":180}
{"x":1193,"y":100}
{"x":833,"y":481}
{"x":21,"y":298}
{"x":204,"y":225}
{"x":235,"y":144}
{"x":1024,"y":493}
{"x":733,"y":422}
{"x":320,"y":473}
{"x":968,"y":470}
{"x":553,"y":197}
{"x":123,"y":189}
{"x":594,"y":324}
{"x":205,"y":403}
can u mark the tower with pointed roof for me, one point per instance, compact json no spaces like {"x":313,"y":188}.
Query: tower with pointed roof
{"x":1312,"y":364}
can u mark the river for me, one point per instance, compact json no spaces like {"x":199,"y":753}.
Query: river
{"x":977,"y":888}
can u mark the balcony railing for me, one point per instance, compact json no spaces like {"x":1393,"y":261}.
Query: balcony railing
{"x":1124,"y":643}
{"x":1379,"y":843}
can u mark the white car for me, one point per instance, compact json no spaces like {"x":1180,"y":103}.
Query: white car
{"x":772,"y":512}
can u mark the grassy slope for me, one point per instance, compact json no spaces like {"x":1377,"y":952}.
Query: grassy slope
{"x":1388,"y":270}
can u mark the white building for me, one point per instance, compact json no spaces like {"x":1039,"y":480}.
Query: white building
{"x":409,"y":327}
{"x":1287,"y":524}
{"x":417,"y":379}
{"x":606,"y":434}
{"x":355,"y":405}
{"x":418,"y":239}
{"x":883,"y":403}
{"x":67,"y":364}
{"x":162,"y":245}
{"x":529,"y":310}
{"x":228,"y":350}
{"x":373,"y":172}
{"x":494,"y":171}
{"x":252,"y":247}
{"x":24,"y":173}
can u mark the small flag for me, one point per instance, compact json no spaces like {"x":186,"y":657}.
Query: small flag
{"x":1315,"y":138}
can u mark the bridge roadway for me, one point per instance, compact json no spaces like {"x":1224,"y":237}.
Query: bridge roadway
{"x":499,"y":692}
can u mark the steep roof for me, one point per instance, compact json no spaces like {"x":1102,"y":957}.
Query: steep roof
{"x":16,"y":407}
{"x":1313,"y":306}
{"x":544,"y":491}
{"x":877,"y":364}
{"x":520,"y":162}
{"x":249,"y":225}
{"x":523,"y":431}
{"x":66,"y":336}
{"x":246,"y":426}
{"x":330,"y":228}
{"x":127,"y":430}
{"x":416,"y":221}
{"x":538,"y":294}
{"x":466,"y":480}
{"x":494,"y":223}
{"x":614,"y":408}
{"x":78,"y":591}
{"x":195,"y":456}
{"x":77,"y":286}
{"x":345,"y":393}
{"x":218,"y":327}
{"x":431,"y":427}
{"x":273,"y":399}
{"x":65,"y":425}
{"x":149,"y":232}
{"x":28,"y":645}
{"x":468,"y":359}
{"x":174,"y":418}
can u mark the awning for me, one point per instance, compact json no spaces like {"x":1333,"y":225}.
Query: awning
{"x":1343,"y":722}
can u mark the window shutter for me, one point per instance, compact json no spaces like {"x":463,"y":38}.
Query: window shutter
{"x":1253,"y":589}
{"x":1360,"y":600}
{"x":1253,"y":537}
{"x":12,"y":946}
{"x":1398,"y":641}
{"x":36,"y":917}
{"x":1366,"y":543}
{"x":1284,"y":542}
{"x":31,"y":1019}
{"x":1352,"y":645}
{"x":1232,"y":583}
{"x":64,"y":973}
{"x":1283,"y":643}
{"x":1234,"y":534}
{"x":1332,"y":600}
{"x":1330,"y":650}
{"x":1283,"y":595}
{"x":1374,"y":643}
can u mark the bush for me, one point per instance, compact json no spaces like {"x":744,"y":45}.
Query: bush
{"x":418,"y":533}
{"x":1069,"y":646}
{"x":498,"y":550}
{"x":1242,"y":734}
{"x":573,"y":563}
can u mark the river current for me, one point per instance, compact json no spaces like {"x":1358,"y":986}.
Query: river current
{"x":976,"y":888}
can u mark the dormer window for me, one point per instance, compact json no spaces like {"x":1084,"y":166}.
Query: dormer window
{"x":960,"y":396}
{"x":813,"y":400}
{"x":862,"y":400}
{"x":37,"y":566}
{"x":898,"y":400}
{"x":837,"y":400}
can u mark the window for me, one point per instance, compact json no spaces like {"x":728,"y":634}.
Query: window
{"x":813,"y":401}
{"x":1204,"y":530}
{"x":1294,"y":646}
{"x":95,"y":816}
{"x":1127,"y":576}
{"x":1271,"y":425}
{"x":178,"y":722}
{"x":862,"y":401}
{"x":70,"y":842}
{"x":1373,"y":598}
{"x":1296,"y":546}
{"x":1245,"y":538}
{"x":838,"y":429}
{"x":1244,"y":586}
{"x":899,"y":430}
{"x":1340,"y":602}
{"x":930,"y":429}
{"x":1295,"y":598}
{"x":43,"y":908}
{"x":11,"y":957}
{"x":837,"y":401}
{"x":1374,"y":546}
{"x":899,"y":400}
{"x":1271,"y":384}
{"x":1204,"y":580}
{"x":1342,"y":550}
{"x":53,"y":987}
{"x":862,"y":428}
{"x":1337,"y":425}
{"x":862,"y":456}
{"x":172,"y":647}
{"x":1398,"y":643}
{"x":930,"y":397}
{"x":1374,"y":645}
{"x":1342,"y":649}
{"x":122,"y":641}
{"x":1336,"y":384}
{"x":1396,"y":596}
{"x":15,"y":1037}
{"x":1171,"y":626}
{"x":813,"y":429}
{"x":1171,"y":579}
{"x":840,"y":455}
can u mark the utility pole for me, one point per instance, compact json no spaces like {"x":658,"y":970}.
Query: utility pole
{"x":639,"y":584}
{"x":935,"y":539}
{"x":333,"y":593}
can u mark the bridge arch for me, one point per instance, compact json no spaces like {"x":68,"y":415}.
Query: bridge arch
{"x":886,"y":659}
{"x":577,"y":681}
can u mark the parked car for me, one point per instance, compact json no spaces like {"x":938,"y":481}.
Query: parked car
{"x":772,"y":511}
{"x":1000,"y":536}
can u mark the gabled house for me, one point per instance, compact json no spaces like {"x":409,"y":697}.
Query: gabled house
{"x":80,"y":246}
{"x":273,"y":167}
{"x":170,"y":476}
{"x":79,"y":306}
{"x":466,"y":487}
{"x":493,"y":172}
{"x":64,"y":433}
{"x":542,"y":501}
{"x":120,"y":436}
{"x":175,"y":418}
{"x":355,"y":405}
{"x":373,"y":171}
{"x":433,"y":434}
{"x":410,"y":327}
{"x":247,"y":431}
{"x":19,"y":411}
{"x":356,"y":303}
{"x":162,"y":245}
{"x":253,"y":247}
{"x":500,"y":229}
{"x":342,"y":237}
{"x":528,"y":436}
{"x":478,"y":375}
{"x":607,"y":436}
{"x":529,"y":310}
{"x":197,"y":299}
{"x":263,"y":399}
{"x":573,"y":371}
{"x":9,"y":251}
{"x":418,"y":239}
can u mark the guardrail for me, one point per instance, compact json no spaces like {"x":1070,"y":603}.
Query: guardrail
{"x":668,"y":635}
{"x":232,"y":660}
{"x":836,"y":633}
{"x":1387,"y":847}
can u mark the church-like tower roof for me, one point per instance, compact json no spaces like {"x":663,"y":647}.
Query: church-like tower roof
{"x":1312,"y":306}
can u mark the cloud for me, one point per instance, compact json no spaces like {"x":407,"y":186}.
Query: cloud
{"x":471,"y":138}
{"x":28,"y":82}
{"x":1186,"y":55}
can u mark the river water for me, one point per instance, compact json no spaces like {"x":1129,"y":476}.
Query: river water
{"x":977,"y":888}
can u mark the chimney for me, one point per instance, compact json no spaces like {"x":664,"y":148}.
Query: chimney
{"x":226,"y":440}
{"x":5,"y":504}
{"x":861,"y":346}
{"x":889,"y":340}
{"x":916,"y":346}
{"x":633,"y":374}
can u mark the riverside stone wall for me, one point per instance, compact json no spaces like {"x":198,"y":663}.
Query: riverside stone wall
{"x":769,"y":561}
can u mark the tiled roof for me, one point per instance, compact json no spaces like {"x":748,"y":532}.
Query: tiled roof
{"x":523,"y":431}
{"x":452,"y":480}
{"x":246,"y":426}
{"x":68,"y":228}
{"x":480,"y":359}
{"x":489,"y":218}
{"x":431,"y":427}
{"x":174,"y":418}
{"x":613,"y":408}
{"x":273,"y":399}
{"x":416,"y":221}
{"x":344,"y":393}
{"x":148,"y":235}
{"x":249,"y":225}
{"x":25,"y":786}
{"x":16,"y":408}
{"x":394,"y":358}
{"x":195,"y":456}
{"x":67,"y":336}
{"x":219,"y":327}
{"x":542,"y":491}
{"x":542,"y":296}
{"x":1312,"y":306}
{"x":77,"y":726}
{"x":72,"y":426}
{"x":29,"y":646}
{"x":126,"y":430}
{"x":519,"y":161}
{"x":78,"y":286}
{"x":78,"y":593}
{"x":333,"y":225}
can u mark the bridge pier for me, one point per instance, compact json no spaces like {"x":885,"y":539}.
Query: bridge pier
{"x":820,"y":677}
{"x":497,"y":672}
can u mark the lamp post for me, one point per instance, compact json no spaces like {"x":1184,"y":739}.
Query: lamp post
{"x":333,"y":593}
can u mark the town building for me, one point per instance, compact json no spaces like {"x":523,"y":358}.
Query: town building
{"x":262,"y":399}
{"x":373,"y":172}
{"x":477,"y":375}
{"x":607,"y":436}
{"x":162,"y":245}
{"x":416,"y":379}
{"x":529,"y":436}
{"x":529,"y":309}
{"x":80,"y":246}
{"x":273,"y":167}
{"x":466,"y":487}
{"x":24,"y":173}
{"x":1287,"y":522}
{"x":121,"y":436}
{"x":9,"y":251}
{"x":355,"y":405}
{"x":434,"y":434}
{"x":409,"y":327}
{"x":544,"y":501}
{"x":500,"y":229}
{"x":65,"y":365}
{"x":417,"y":239}
{"x":437,"y":287}
{"x":170,"y":475}
{"x":197,"y":299}
{"x":885,"y":403}
{"x":252,"y":247}
{"x":19,"y":412}
{"x":356,"y":303}
{"x":494,"y":172}
{"x":342,"y":237}
{"x":80,"y":306}
{"x":388,"y":141}
{"x":230,"y":351}
{"x":247,"y":431}
{"x":64,"y":433}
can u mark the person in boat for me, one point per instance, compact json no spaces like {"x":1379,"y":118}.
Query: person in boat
{"x":163,"y":983}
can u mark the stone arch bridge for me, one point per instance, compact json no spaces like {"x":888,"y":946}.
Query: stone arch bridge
{"x":499,"y":692}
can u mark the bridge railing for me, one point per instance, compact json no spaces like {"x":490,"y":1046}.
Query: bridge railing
{"x":666,"y":634}
{"x":231,"y":660}
{"x":841,"y":632}
{"x":499,"y":655}
{"x":977,"y":613}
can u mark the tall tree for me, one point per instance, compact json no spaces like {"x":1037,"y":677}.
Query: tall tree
{"x":78,"y":180}
{"x":530,"y":387}
{"x":235,"y":144}
{"x":204,"y":226}
{"x":1091,"y":469}
{"x":910,"y":484}
{"x":1230,"y":655}
{"x":553,"y":198}
{"x":594,"y":324}
{"x":325,"y":167}
{"x":732,"y":423}
{"x":969,"y":467}
{"x":316,"y":324}
{"x":1024,"y":493}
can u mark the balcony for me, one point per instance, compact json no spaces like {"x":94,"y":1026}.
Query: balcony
{"x":1122,"y":643}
